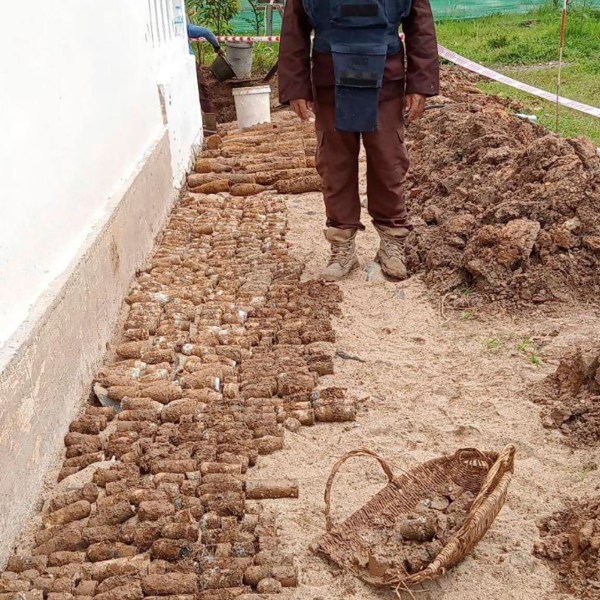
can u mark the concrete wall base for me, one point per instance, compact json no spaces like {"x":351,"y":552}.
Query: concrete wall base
{"x":46,"y":367}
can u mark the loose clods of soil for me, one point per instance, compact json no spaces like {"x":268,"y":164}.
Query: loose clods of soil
{"x":571,"y":543}
{"x":572,"y":397}
{"x":501,"y":207}
{"x":416,"y":538}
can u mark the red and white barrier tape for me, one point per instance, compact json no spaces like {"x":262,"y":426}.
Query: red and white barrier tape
{"x":270,"y":39}
{"x":457,"y":59}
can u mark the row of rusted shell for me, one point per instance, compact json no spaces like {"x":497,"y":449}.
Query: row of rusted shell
{"x":221,"y":351}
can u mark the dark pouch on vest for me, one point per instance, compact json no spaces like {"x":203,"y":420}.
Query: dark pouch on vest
{"x":359,"y":72}
{"x":396,"y":10}
{"x":358,"y":13}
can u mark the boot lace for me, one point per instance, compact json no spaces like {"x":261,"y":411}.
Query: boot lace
{"x":393,"y":246}
{"x":340,"y":252}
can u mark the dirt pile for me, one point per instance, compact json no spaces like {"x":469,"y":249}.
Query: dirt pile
{"x":221,"y":96}
{"x":221,"y":347}
{"x":571,"y":542}
{"x":571,"y":397}
{"x":500,"y":205}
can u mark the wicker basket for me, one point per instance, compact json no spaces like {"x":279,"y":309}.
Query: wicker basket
{"x":485,"y":474}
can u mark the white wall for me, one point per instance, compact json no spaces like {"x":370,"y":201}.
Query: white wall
{"x":175,"y":72}
{"x":79,"y":107}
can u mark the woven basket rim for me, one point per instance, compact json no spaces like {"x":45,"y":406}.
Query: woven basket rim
{"x":481,"y":515}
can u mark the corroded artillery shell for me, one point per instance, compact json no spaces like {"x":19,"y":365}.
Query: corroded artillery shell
{"x":276,"y":488}
{"x":169,"y":584}
{"x":335,"y":412}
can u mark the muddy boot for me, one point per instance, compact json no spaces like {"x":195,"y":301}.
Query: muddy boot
{"x":391,"y":251}
{"x":343,"y":253}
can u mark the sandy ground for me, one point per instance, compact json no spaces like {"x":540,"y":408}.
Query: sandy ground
{"x":430,"y":385}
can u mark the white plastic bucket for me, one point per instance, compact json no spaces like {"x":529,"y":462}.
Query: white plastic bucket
{"x":239,"y":55}
{"x":252,"y":105}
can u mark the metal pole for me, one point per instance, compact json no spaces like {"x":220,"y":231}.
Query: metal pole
{"x":563,"y":26}
{"x":269,"y":25}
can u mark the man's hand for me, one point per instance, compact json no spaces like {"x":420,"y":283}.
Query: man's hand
{"x":415,"y":105}
{"x":303,"y":108}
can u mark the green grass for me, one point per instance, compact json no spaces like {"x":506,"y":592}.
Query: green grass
{"x":492,"y":343}
{"x":525,"y":39}
{"x":577,"y":84}
{"x":527,"y":348}
{"x":524,"y":345}
{"x":504,"y":42}
{"x":264,"y":57}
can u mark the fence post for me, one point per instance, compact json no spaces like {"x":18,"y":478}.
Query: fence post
{"x":269,"y":24}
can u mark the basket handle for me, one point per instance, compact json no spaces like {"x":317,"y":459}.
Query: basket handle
{"x":470,"y":454}
{"x":504,"y":463}
{"x":354,"y":453}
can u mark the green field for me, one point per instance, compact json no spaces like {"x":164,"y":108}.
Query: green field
{"x":245,"y":22}
{"x":525,"y":47}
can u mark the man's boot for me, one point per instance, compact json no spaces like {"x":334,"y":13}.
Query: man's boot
{"x":343,"y":253}
{"x":391,"y":251}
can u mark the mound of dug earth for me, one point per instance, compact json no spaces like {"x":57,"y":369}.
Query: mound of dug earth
{"x":571,"y":540}
{"x":501,"y":206}
{"x":572,"y":397}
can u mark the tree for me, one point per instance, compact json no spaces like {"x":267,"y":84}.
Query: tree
{"x":257,"y":15}
{"x":215,"y":14}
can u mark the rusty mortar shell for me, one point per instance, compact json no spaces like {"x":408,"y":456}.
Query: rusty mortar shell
{"x":271,"y":489}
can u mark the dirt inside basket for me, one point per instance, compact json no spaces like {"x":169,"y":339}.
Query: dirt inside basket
{"x":416,"y":538}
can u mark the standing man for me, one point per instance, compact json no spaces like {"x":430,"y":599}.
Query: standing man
{"x":195,"y":32}
{"x":359,"y":85}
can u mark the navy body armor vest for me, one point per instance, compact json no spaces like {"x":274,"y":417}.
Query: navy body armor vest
{"x":359,"y":34}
